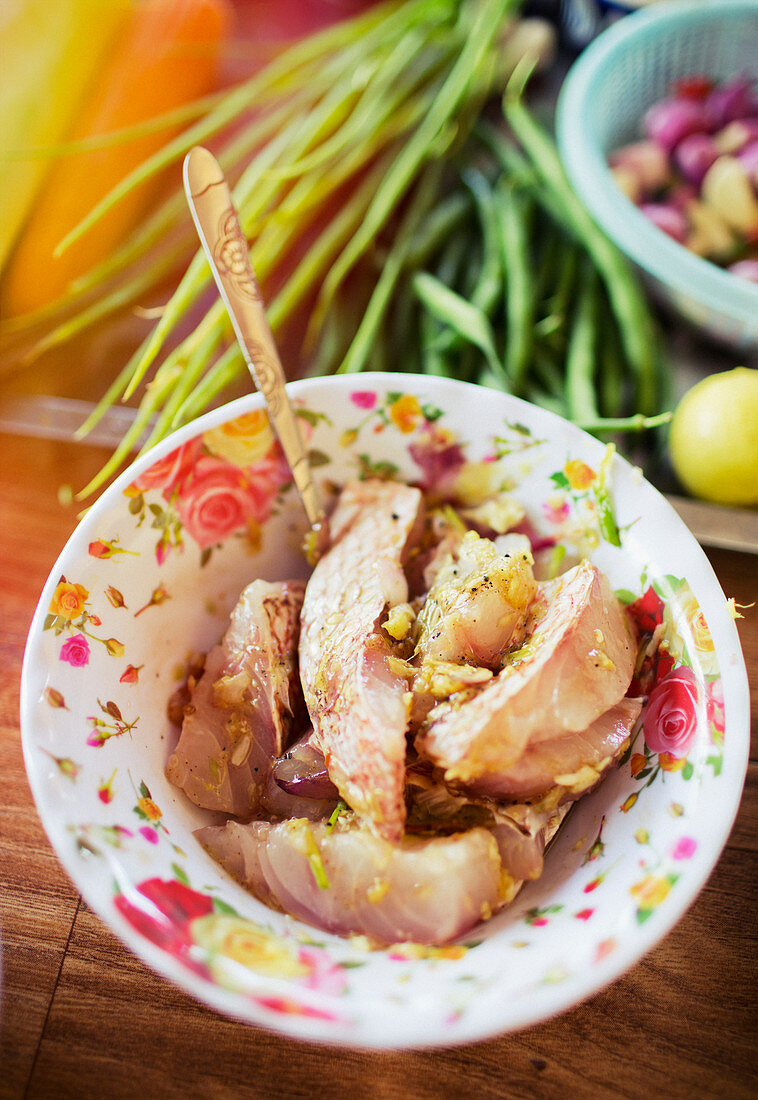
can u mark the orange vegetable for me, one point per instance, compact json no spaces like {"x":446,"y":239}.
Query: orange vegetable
{"x":50,"y":53}
{"x":166,"y":57}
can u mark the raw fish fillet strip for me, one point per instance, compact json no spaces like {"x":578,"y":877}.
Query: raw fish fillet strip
{"x":359,"y":708}
{"x":241,"y":708}
{"x":577,"y":662}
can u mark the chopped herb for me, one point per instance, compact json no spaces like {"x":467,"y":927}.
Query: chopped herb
{"x":340,"y":808}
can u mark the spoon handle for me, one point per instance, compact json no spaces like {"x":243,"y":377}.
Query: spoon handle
{"x":226,"y":247}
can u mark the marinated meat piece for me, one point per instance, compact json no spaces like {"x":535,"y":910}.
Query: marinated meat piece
{"x":241,"y":708}
{"x":357,"y":704}
{"x":477,"y":606}
{"x":576,"y":663}
{"x":348,"y":880}
{"x":575,"y":762}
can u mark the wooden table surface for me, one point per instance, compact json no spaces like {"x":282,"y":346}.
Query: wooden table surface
{"x":83,"y":1017}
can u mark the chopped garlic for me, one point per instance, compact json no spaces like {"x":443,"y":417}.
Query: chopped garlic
{"x":585,"y":777}
{"x":229,"y":691}
{"x":501,"y":513}
{"x":399,"y":621}
{"x":377,"y":890}
{"x":602,"y":660}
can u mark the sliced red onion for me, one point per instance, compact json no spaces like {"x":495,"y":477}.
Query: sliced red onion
{"x":694,"y":155}
{"x":746,"y":269}
{"x":668,"y":218}
{"x":670,"y":120}
{"x":731,"y":100}
{"x":302,"y":771}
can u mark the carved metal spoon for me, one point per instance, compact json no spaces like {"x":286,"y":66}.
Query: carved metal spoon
{"x":226,"y":247}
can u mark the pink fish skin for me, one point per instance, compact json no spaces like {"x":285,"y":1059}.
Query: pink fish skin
{"x":241,"y":709}
{"x":423,"y":890}
{"x":359,"y":707}
{"x":576,"y":663}
{"x":549,"y":764}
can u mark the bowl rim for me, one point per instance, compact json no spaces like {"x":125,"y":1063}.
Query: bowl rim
{"x":549,"y":1001}
{"x":680,"y":270}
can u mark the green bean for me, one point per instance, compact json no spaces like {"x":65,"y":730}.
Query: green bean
{"x":611,"y":380}
{"x":486,"y":287}
{"x":510,"y":159}
{"x":365,"y":337}
{"x":469,"y":363}
{"x":547,"y":327}
{"x":548,"y":372}
{"x":494,"y":380}
{"x":452,"y":262}
{"x":566,"y":282}
{"x":549,"y":251}
{"x":437,"y":227}
{"x":433,"y":359}
{"x":489,"y":285}
{"x":636,"y":423}
{"x":404,"y":327}
{"x":538,"y":396}
{"x":451,"y":308}
{"x":625,"y":295}
{"x":519,"y":298}
{"x":581,"y":399}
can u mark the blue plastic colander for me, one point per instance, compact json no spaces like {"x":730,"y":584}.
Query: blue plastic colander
{"x":606,"y":93}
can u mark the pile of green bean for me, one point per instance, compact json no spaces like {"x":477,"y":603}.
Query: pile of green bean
{"x":507,"y":282}
{"x":504,"y":279}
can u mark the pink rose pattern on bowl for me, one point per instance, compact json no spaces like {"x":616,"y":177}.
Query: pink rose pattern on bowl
{"x":117,"y":633}
{"x":214,"y":486}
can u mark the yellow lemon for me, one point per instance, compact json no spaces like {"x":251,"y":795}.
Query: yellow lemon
{"x":714,"y":438}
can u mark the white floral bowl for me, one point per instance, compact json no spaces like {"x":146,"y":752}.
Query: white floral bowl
{"x":151,"y":574}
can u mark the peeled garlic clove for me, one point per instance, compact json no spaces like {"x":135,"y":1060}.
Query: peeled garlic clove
{"x":710,"y":236}
{"x":727,"y":188}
